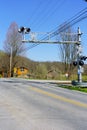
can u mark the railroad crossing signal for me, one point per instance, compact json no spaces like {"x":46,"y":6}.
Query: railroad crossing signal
{"x":24,"y":30}
{"x":37,"y":37}
{"x":47,"y":39}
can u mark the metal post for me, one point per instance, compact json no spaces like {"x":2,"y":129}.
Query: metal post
{"x":78,"y":56}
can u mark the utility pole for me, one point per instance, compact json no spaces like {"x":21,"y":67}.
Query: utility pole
{"x":11,"y":61}
{"x":79,"y":51}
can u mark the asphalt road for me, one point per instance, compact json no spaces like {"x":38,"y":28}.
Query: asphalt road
{"x":35,"y":105}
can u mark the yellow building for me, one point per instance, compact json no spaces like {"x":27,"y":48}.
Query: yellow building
{"x":21,"y":71}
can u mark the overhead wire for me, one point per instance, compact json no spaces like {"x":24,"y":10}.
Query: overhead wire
{"x":39,"y":10}
{"x":50,"y":12}
{"x":75,"y":19}
{"x":34,"y":12}
{"x":47,"y":12}
{"x":34,"y":20}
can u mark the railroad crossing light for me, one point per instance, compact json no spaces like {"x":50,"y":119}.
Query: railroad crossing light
{"x":21,"y":29}
{"x":24,"y":30}
{"x":83,"y":57}
{"x":81,"y":63}
{"x":75,"y":63}
{"x":27,"y":30}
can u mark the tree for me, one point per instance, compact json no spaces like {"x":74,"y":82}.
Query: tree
{"x":41,"y":71}
{"x":4,"y":64}
{"x":68,"y":49}
{"x":13,"y":45}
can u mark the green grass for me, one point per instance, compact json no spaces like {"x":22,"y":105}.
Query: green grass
{"x":76,"y":88}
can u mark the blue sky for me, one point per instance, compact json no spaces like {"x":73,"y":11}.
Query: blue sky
{"x":41,"y":16}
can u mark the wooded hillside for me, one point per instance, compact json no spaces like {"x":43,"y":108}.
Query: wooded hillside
{"x":38,"y":70}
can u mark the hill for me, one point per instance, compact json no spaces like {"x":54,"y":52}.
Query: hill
{"x":40,"y":70}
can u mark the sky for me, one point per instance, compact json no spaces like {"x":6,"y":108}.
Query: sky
{"x":41,"y":16}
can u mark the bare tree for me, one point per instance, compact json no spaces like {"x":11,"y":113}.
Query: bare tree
{"x":67,"y":50}
{"x":13,"y":45}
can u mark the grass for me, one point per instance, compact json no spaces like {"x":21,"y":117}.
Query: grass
{"x":82,"y":89}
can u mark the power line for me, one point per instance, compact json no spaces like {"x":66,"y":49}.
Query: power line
{"x":39,"y":10}
{"x":50,"y":11}
{"x":75,"y":19}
